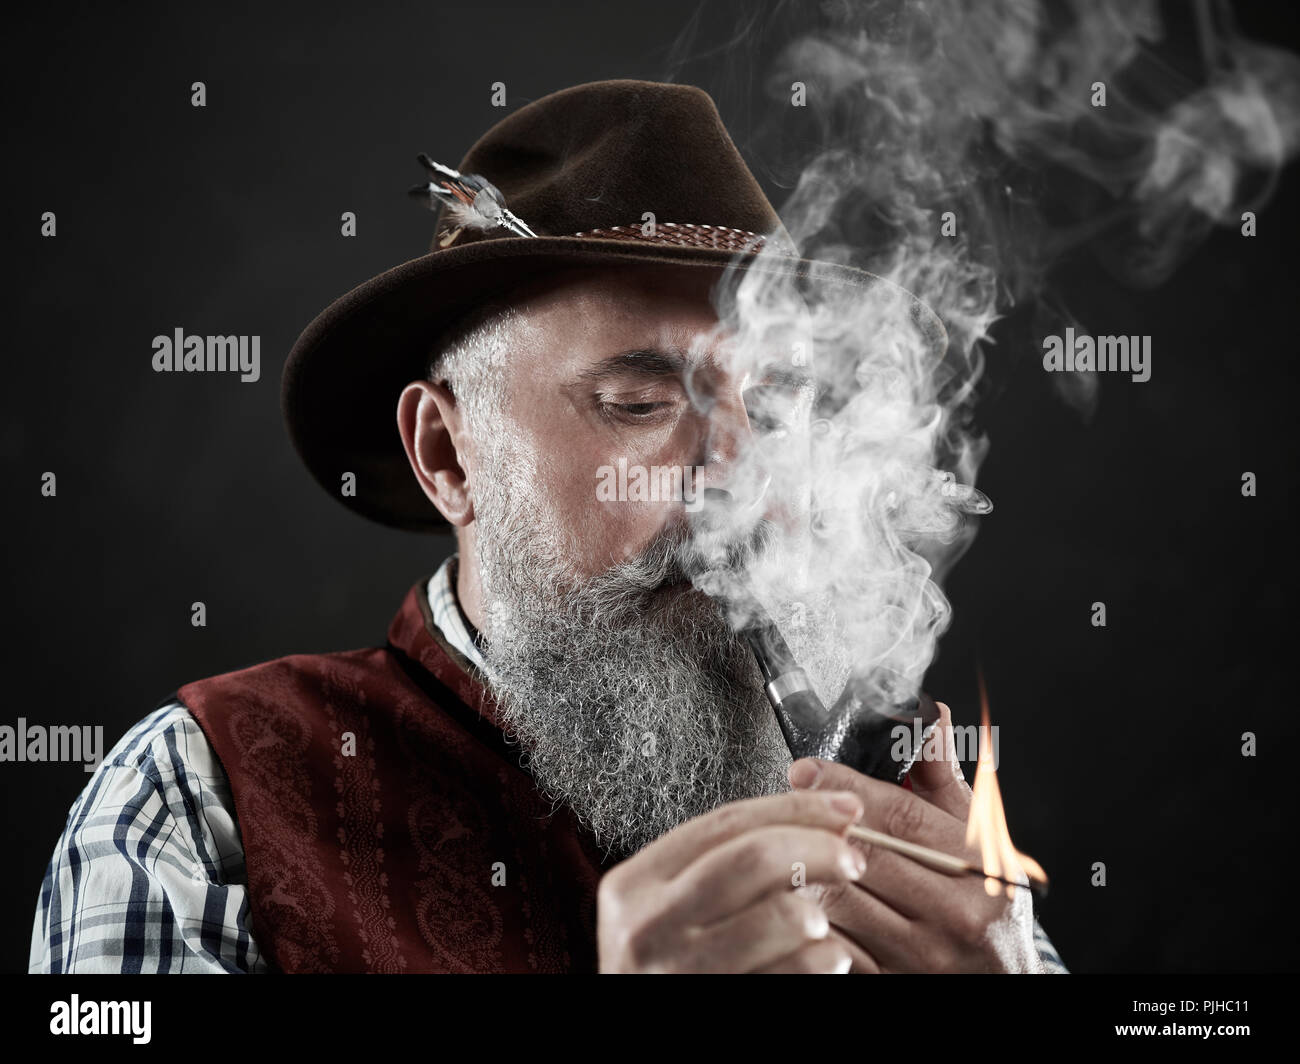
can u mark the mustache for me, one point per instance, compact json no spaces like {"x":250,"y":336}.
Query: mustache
{"x":679,"y":555}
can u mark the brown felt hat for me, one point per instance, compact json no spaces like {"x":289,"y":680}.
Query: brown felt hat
{"x":581,"y":168}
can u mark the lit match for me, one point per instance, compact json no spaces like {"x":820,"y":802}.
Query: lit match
{"x":986,"y":830}
{"x":946,"y":862}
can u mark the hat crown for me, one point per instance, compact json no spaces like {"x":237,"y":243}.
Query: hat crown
{"x":610,"y":154}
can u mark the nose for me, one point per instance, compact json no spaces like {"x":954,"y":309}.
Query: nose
{"x":728,"y":432}
{"x":728,"y":480}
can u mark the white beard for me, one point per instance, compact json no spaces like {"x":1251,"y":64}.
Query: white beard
{"x":639,"y":709}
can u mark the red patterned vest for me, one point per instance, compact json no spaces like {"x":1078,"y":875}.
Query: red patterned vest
{"x":428,"y":849}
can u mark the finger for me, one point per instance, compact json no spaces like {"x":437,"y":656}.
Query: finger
{"x":736,"y":874}
{"x":827,"y":957}
{"x":875,"y":926}
{"x":863,"y":963}
{"x":890,"y":808}
{"x":912,"y":890}
{"x":773,"y":928}
{"x":936,"y":775}
{"x":678,"y":848}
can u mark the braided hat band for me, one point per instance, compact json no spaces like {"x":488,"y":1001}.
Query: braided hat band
{"x":684,"y":234}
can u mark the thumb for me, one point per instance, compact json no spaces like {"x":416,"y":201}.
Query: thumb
{"x":936,"y":775}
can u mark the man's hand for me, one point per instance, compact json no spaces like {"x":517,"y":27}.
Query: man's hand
{"x":901,"y":916}
{"x":717,"y":894}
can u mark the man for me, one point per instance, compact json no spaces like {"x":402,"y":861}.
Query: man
{"x":563,"y":758}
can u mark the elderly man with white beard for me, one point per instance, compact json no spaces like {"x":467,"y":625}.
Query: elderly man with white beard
{"x":563,"y":758}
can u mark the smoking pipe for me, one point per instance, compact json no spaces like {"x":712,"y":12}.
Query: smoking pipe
{"x":853,"y":732}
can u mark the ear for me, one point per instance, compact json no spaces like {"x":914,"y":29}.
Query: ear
{"x":433,"y":434}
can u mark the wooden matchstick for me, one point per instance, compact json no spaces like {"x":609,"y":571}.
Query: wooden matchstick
{"x":936,"y":859}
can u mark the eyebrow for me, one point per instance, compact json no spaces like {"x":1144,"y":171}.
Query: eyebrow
{"x":784,"y":378}
{"x":672,"y":362}
{"x":642,"y":361}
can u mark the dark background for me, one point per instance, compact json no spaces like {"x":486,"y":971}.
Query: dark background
{"x":1119,"y":744}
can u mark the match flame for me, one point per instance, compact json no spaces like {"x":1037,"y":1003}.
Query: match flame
{"x":987,"y":826}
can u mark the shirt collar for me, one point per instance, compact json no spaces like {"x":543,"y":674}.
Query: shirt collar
{"x":447,"y":614}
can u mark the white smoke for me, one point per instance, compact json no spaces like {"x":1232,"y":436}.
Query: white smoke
{"x":957,"y":151}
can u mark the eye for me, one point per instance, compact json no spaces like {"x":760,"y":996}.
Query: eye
{"x":771,"y":409}
{"x":640,"y":412}
{"x":766,"y":423}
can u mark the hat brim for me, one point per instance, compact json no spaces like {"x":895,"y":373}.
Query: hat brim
{"x":344,"y":374}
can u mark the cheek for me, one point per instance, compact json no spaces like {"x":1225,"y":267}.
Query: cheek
{"x":601,"y":532}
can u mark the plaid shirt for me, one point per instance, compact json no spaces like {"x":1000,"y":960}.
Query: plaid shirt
{"x":148,"y":875}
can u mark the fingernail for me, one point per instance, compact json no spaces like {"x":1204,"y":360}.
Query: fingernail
{"x":805,"y":774}
{"x":854,"y":863}
{"x":846,"y":804}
